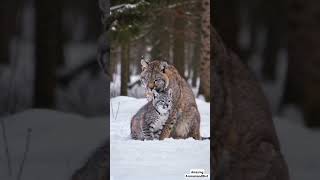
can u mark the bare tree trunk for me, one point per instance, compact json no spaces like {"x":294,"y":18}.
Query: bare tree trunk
{"x":5,"y":35}
{"x":204,"y":88}
{"x":48,"y":51}
{"x":226,"y":21}
{"x":179,"y":37}
{"x":94,"y":23}
{"x":303,"y":82}
{"x":60,"y":33}
{"x":9,"y":14}
{"x":195,"y":65}
{"x":189,"y":54}
{"x":275,"y":19}
{"x":161,"y":39}
{"x":125,"y":51}
{"x":196,"y":48}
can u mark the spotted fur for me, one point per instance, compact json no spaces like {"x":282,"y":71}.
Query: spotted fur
{"x":148,"y":122}
{"x":159,"y":75}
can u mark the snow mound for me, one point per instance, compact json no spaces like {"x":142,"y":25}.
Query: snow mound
{"x":300,"y":145}
{"x":60,"y":143}
{"x":167,"y":159}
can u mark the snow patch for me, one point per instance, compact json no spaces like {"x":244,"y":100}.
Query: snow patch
{"x":60,"y":143}
{"x":167,"y":159}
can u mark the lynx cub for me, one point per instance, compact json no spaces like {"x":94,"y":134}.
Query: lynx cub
{"x":150,"y":119}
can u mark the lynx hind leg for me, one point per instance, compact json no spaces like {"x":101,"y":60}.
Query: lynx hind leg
{"x":195,"y":129}
{"x":195,"y":134}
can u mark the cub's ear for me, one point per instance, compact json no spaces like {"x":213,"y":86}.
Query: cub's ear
{"x":144,"y":63}
{"x":155,"y":93}
{"x":170,"y":92}
{"x":163,"y":66}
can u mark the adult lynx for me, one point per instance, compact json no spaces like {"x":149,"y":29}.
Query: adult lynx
{"x":158,"y":75}
{"x":246,"y":146}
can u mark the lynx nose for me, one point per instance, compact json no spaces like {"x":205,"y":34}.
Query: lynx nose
{"x":151,"y":86}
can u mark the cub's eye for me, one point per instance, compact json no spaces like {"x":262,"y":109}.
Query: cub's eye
{"x":158,"y":79}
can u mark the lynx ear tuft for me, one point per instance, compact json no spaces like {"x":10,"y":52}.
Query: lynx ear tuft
{"x":163,"y":66}
{"x":144,"y":63}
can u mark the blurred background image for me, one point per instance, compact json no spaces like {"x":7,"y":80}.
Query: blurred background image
{"x":48,"y":56}
{"x":279,"y":41}
{"x":53,"y":94}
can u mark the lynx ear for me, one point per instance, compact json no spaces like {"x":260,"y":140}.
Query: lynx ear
{"x":163,"y":66}
{"x":166,"y":80}
{"x":155,"y":93}
{"x":144,"y":63}
{"x":170,"y":93}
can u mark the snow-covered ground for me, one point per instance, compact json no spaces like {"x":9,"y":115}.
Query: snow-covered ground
{"x":60,"y":143}
{"x":300,"y":145}
{"x":167,"y":159}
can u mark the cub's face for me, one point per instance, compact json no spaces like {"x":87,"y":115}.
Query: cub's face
{"x":163,"y":101}
{"x":153,"y":76}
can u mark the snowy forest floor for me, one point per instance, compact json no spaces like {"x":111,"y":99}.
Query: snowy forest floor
{"x":300,"y":145}
{"x":61,"y":142}
{"x":167,"y":159}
